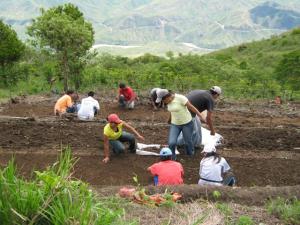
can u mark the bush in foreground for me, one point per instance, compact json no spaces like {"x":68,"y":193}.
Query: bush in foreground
{"x":286,"y":210}
{"x":52,"y":197}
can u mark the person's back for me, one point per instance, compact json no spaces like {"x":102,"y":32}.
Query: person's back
{"x":127,"y":92}
{"x":169,"y":172}
{"x":62,"y":104}
{"x":201,"y":99}
{"x":89,"y":106}
{"x":211,"y":170}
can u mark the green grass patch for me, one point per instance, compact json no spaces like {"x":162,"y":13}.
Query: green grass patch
{"x":244,"y":220}
{"x":286,"y":210}
{"x":53,"y":197}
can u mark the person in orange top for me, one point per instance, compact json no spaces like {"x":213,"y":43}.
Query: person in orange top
{"x":114,"y":136}
{"x":66,"y":103}
{"x":167,"y":172}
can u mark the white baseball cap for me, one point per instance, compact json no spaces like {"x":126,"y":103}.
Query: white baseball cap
{"x":160,"y":94}
{"x":216,"y":89}
{"x":209,"y":148}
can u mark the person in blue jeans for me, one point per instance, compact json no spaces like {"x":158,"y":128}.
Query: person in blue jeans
{"x":180,"y":119}
{"x":114,"y":136}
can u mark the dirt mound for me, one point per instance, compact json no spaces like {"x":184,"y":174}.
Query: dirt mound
{"x":262,"y":145}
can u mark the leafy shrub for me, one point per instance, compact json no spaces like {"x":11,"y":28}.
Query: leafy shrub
{"x":244,"y":220}
{"x":53,"y":197}
{"x":286,"y":210}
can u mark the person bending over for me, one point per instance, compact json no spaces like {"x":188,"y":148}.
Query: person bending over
{"x":180,"y":119}
{"x":114,"y":136}
{"x":204,"y":101}
{"x":153,"y":96}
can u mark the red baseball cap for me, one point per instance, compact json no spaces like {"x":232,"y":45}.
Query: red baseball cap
{"x":113,"y":118}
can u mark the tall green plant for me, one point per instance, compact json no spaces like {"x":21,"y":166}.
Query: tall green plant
{"x":53,"y":197}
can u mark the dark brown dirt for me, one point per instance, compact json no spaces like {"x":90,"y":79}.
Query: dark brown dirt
{"x":250,"y":137}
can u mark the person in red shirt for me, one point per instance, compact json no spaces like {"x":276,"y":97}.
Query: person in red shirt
{"x":166,"y":172}
{"x":126,"y":96}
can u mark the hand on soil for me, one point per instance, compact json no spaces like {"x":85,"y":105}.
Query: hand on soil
{"x":141,"y":137}
{"x":105,"y":160}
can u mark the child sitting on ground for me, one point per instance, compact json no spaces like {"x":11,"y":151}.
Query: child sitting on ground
{"x":166,"y":172}
{"x":213,"y":169}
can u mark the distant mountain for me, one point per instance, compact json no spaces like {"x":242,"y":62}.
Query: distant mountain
{"x":212,"y":24}
{"x":272,"y":15}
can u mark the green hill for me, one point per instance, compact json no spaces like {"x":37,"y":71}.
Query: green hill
{"x":257,"y":64}
{"x":260,"y":69}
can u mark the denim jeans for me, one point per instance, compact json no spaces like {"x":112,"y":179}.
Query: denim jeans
{"x":124,"y":104}
{"x":196,"y":136}
{"x":229,"y":181}
{"x":187,"y":131}
{"x":74,"y":108}
{"x":118,"y":146}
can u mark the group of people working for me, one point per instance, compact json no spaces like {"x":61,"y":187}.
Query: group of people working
{"x":185,"y":129}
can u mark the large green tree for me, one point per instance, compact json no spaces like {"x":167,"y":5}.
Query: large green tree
{"x":63,"y":31}
{"x":11,"y":50}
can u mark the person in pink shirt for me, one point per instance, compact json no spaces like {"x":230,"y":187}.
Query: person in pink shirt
{"x":166,"y":172}
{"x":126,"y":96}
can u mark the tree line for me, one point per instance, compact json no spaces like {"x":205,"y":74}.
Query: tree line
{"x":57,"y":55}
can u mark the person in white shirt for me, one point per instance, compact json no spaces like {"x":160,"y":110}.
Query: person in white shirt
{"x":214,"y":168}
{"x":89,"y":107}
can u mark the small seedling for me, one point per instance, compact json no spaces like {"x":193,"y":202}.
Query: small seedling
{"x":216,"y":194}
{"x":245,"y":220}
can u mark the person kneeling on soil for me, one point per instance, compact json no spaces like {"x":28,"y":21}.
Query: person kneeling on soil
{"x":114,"y":135}
{"x":89,"y":107}
{"x":166,"y":172}
{"x":126,"y":96}
{"x":65,"y":104}
{"x":214,"y":170}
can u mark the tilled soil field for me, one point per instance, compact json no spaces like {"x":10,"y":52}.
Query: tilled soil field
{"x":261,"y":141}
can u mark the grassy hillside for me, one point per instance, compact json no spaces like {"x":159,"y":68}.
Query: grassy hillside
{"x":248,"y":70}
{"x":259,"y":60}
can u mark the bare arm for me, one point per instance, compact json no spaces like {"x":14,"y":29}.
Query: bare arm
{"x":153,"y":104}
{"x":209,"y":123}
{"x":194,"y":110}
{"x":126,"y":125}
{"x":106,"y":149}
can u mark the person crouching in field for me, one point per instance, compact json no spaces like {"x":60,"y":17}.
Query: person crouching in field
{"x":113,"y":135}
{"x":166,"y":172}
{"x":89,"y":107}
{"x":126,"y":96}
{"x":214,"y":170}
{"x":65,"y":104}
{"x":153,"y":97}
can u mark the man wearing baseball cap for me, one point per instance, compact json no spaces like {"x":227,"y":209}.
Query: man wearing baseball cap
{"x":114,"y":136}
{"x":166,"y":172}
{"x":202,"y":100}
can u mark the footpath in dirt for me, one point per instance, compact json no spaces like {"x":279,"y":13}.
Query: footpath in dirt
{"x":261,"y":141}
